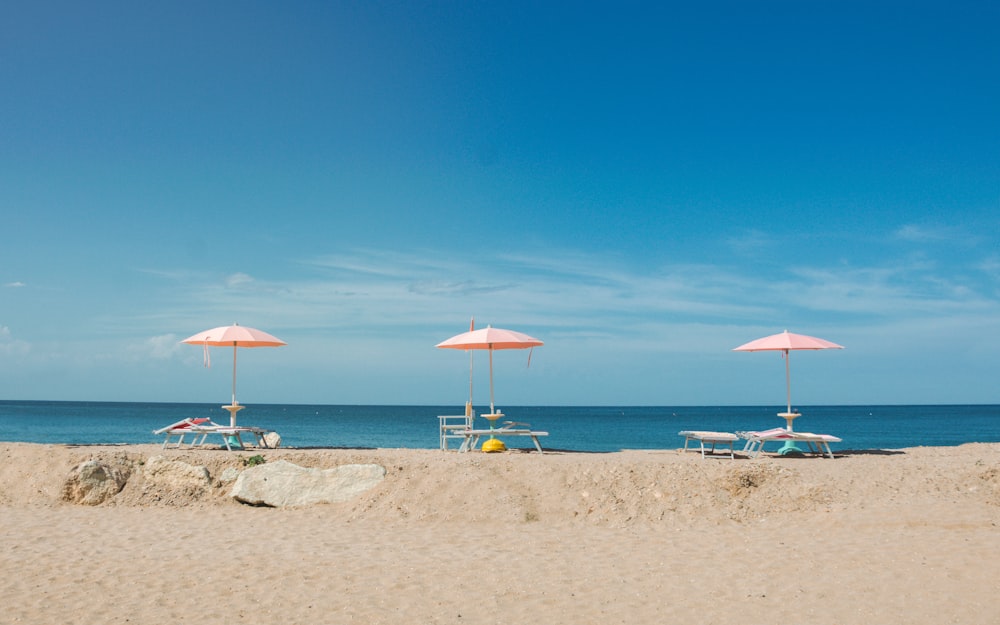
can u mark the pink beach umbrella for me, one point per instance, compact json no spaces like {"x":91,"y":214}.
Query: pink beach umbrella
{"x":491,"y":339}
{"x":786,"y":342}
{"x":235,"y":336}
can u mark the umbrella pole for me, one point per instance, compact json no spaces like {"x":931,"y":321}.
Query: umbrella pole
{"x":492,"y":410}
{"x":788,"y":384}
{"x":233,"y":408}
{"x":468,"y":406}
{"x":469,"y":413}
{"x":493,"y":444}
{"x":234,"y":374}
{"x":789,"y":447}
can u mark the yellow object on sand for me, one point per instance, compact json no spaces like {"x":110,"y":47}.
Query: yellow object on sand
{"x":493,"y":444}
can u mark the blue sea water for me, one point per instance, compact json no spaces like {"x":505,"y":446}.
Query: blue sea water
{"x":576,"y":428}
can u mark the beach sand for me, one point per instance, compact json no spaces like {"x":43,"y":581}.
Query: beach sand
{"x":907,"y":536}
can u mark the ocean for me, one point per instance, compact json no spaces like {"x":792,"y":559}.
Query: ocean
{"x":572,"y":428}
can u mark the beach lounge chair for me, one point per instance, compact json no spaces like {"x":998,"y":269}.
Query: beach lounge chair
{"x":712,"y":438}
{"x":231,"y":435}
{"x":454,"y":427}
{"x":182,"y":429}
{"x":817,"y":443}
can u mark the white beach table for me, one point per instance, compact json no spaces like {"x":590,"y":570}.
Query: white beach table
{"x":472,"y":436}
{"x":713,"y":438}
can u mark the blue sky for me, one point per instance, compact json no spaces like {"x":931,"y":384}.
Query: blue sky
{"x":643,"y":186}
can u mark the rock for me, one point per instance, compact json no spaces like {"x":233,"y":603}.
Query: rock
{"x":272,"y":440}
{"x":93,"y":482}
{"x":229,"y":474}
{"x":176,"y":477}
{"x":283,"y":484}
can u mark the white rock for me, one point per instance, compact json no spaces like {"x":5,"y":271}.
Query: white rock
{"x":272,"y":440}
{"x":283,"y":484}
{"x":93,"y":482}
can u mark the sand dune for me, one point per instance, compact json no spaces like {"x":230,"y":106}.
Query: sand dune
{"x":628,"y":537}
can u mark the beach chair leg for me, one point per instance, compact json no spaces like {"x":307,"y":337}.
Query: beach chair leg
{"x":538,"y":445}
{"x":821,"y":448}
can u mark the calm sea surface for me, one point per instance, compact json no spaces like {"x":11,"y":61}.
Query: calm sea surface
{"x":577,"y":428}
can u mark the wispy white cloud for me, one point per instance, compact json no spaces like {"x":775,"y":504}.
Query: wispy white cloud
{"x":990,"y":266}
{"x":10,"y":345}
{"x":752,"y":242}
{"x":594,"y":311}
{"x":931,"y":233}
{"x":579,"y":292}
{"x":15,"y":285}
{"x":238,"y":279}
{"x":162,"y":347}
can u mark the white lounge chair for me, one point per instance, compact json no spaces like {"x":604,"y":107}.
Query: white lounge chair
{"x":454,"y":426}
{"x":713,"y":438}
{"x":231,"y":435}
{"x":182,"y":429}
{"x":817,"y":443}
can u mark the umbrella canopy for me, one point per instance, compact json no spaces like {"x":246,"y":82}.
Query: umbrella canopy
{"x":786,"y":342}
{"x":490,"y":338}
{"x":235,"y":336}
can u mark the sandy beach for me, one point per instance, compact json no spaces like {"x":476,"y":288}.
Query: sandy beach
{"x":908,"y":536}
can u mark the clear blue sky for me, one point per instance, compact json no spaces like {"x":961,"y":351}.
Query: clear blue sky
{"x":643,"y":186}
